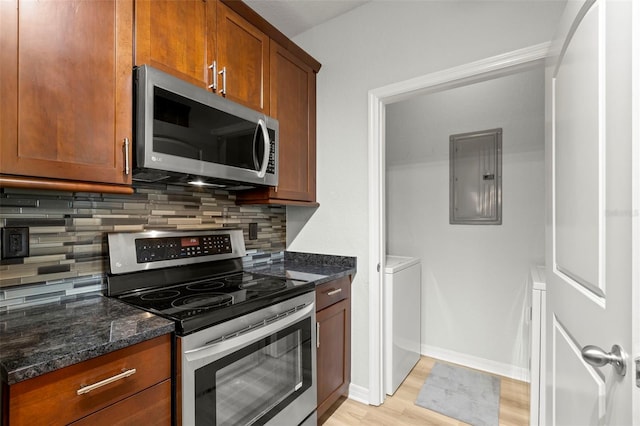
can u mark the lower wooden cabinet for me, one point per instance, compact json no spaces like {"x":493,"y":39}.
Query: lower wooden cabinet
{"x":333,"y":317}
{"x":149,"y":407}
{"x":140,"y":393}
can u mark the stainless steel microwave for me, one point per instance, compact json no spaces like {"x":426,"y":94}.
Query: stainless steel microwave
{"x":187,"y":135}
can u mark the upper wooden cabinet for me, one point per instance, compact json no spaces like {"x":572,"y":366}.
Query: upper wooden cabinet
{"x":207,"y":44}
{"x":66,"y":86}
{"x":177,"y":37}
{"x":66,"y":91}
{"x":243,"y":58}
{"x":293,"y":104}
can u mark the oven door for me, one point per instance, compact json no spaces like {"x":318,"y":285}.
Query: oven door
{"x":262,"y":371}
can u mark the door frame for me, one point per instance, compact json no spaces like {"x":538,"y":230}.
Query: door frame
{"x":635,"y":202}
{"x":474,"y":72}
{"x":470,"y":73}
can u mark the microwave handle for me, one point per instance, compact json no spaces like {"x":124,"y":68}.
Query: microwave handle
{"x":267,"y":148}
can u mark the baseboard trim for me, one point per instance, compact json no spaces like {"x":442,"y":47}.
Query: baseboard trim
{"x":489,"y":366}
{"x":359,"y":393}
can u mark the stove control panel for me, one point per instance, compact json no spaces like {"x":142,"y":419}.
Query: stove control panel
{"x":159,"y":249}
{"x":155,"y":249}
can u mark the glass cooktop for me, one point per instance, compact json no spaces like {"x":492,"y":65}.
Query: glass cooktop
{"x":196,"y":304}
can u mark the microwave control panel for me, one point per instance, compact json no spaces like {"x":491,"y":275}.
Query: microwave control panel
{"x":271,"y":166}
{"x":159,"y":249}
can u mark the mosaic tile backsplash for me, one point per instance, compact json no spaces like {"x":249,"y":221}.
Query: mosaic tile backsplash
{"x":67,"y":234}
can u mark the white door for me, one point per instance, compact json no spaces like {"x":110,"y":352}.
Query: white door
{"x":589,"y":238}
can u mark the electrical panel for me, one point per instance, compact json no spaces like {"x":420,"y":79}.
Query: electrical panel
{"x":475,"y":183}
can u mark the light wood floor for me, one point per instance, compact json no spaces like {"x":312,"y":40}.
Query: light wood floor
{"x":400,"y":409}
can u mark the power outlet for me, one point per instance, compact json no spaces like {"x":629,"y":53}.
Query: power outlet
{"x":15,"y":242}
{"x":253,"y":231}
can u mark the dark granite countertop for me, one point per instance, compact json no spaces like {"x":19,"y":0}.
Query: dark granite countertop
{"x":41,"y":339}
{"x":318,"y":268}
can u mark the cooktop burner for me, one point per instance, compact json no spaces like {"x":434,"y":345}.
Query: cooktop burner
{"x":161,"y":295}
{"x":203,"y":301}
{"x":239,"y":279}
{"x":266,"y":284}
{"x":206,"y":285}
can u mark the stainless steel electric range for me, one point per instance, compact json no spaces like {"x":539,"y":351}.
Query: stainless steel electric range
{"x":245,"y":342}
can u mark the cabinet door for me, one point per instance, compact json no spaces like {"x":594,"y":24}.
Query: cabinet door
{"x":65,"y":85}
{"x":293,"y":101}
{"x":243,"y":54}
{"x":173,"y":36}
{"x":334,"y":352}
{"x":152,"y":406}
{"x":293,"y":104}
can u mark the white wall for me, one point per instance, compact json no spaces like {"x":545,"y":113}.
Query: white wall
{"x":474,"y":292}
{"x":374,"y":45}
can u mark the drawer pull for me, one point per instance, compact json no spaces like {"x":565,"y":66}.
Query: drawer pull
{"x":335,"y":291}
{"x":89,"y":388}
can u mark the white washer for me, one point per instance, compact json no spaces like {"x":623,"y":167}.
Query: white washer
{"x":402,"y":318}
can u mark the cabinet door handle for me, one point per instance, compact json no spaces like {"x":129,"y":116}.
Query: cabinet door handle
{"x":224,"y":80}
{"x":317,"y":334}
{"x":214,"y":76}
{"x":126,"y":156}
{"x":334,"y":291}
{"x":89,"y":388}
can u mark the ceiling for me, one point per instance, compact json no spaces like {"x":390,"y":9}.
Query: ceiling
{"x":293,"y":17}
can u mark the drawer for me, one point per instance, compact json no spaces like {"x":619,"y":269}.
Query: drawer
{"x":331,"y":292}
{"x":53,"y":398}
{"x":149,"y":407}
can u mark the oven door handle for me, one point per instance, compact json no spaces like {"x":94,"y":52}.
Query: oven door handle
{"x":265,"y":329}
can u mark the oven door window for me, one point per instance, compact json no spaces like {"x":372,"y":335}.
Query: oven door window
{"x":253,"y":384}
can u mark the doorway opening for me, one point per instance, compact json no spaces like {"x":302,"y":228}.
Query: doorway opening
{"x":477,"y":72}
